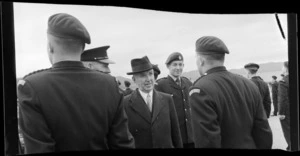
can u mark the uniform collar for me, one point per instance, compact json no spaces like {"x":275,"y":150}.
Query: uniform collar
{"x":174,"y":78}
{"x":216,"y":69}
{"x":68,"y":64}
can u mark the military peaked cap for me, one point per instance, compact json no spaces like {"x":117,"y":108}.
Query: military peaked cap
{"x":97,"y":54}
{"x":251,"y":65}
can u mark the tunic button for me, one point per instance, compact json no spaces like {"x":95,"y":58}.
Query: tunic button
{"x":186,"y":120}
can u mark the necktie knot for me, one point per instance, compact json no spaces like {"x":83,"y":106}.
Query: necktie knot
{"x":178,"y":82}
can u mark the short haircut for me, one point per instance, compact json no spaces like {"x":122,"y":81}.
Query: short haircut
{"x":127,"y":83}
{"x":68,"y":44}
{"x":214,"y":56}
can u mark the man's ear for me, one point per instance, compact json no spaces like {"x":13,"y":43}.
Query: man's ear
{"x":50,"y":48}
{"x":133,"y":78}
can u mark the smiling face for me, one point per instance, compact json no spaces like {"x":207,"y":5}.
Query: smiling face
{"x":144,"y":80}
{"x":175,"y":68}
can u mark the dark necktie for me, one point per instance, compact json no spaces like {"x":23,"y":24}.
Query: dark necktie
{"x":178,"y":82}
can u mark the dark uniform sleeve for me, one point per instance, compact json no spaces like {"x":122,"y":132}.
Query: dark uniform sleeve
{"x":267,"y":101}
{"x":282,"y":98}
{"x":119,"y":136}
{"x":158,"y":87}
{"x":36,"y":133}
{"x":206,"y":127}
{"x":261,"y":131}
{"x":176,"y":135}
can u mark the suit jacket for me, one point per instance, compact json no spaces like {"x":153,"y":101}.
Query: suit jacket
{"x":283,"y":97}
{"x":227,"y":112}
{"x":265,"y":93}
{"x":181,"y":101}
{"x":159,"y":129}
{"x":69,"y":108}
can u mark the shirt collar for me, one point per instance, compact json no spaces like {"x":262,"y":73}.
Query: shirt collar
{"x":144,"y":95}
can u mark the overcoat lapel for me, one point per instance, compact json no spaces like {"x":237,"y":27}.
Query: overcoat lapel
{"x":138,"y":104}
{"x":157,"y":105}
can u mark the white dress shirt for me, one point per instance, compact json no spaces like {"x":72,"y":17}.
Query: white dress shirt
{"x":144,"y":96}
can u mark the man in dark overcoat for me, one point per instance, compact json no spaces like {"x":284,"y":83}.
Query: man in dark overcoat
{"x":151,"y":114}
{"x":251,"y":70}
{"x":178,"y":86}
{"x":284,"y":105}
{"x":227,"y":109}
{"x":274,"y":88}
{"x":69,"y":107}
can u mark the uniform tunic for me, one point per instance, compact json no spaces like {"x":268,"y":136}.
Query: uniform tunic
{"x":227,"y":112}
{"x":181,"y":101}
{"x":70,"y":108}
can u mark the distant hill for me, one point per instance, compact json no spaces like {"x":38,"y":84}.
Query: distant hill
{"x":266,"y":71}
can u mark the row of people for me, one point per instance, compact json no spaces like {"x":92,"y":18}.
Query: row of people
{"x":69,"y":107}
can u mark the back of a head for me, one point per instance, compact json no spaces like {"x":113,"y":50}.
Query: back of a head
{"x":67,"y":32}
{"x":211,"y":48}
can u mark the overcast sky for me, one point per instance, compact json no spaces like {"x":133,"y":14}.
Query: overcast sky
{"x":134,"y":33}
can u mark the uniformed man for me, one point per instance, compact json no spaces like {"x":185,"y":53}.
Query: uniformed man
{"x":151,"y":114}
{"x":227,"y":109}
{"x":274,"y":88}
{"x":69,"y":107}
{"x":178,"y":86}
{"x":284,"y":104}
{"x":97,"y":59}
{"x":251,"y":70}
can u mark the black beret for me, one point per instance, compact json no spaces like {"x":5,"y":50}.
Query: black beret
{"x":176,"y":56}
{"x":251,"y":65}
{"x":211,"y":44}
{"x":66,"y":26}
{"x":97,"y":54}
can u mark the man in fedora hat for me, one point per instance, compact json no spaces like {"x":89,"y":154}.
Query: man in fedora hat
{"x":97,"y":59}
{"x":151,"y":114}
{"x":251,"y":71}
{"x":69,"y":107}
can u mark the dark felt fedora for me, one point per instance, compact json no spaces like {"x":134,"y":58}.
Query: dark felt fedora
{"x":139,"y":65}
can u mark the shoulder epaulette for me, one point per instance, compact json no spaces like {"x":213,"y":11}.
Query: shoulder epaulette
{"x":34,"y":72}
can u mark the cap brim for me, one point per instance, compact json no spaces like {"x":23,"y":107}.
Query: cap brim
{"x":131,"y":73}
{"x":108,"y":61}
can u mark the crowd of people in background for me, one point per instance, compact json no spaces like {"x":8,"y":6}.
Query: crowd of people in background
{"x":77,"y":105}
